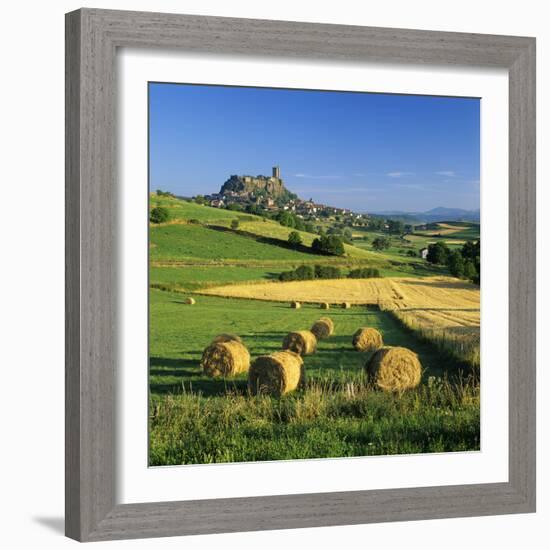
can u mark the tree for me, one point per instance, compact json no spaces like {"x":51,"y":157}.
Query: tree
{"x":234,"y":224}
{"x":470,"y":250}
{"x":455,"y":263}
{"x":235,"y":207}
{"x":253,"y":209}
{"x":381,"y":243}
{"x":470,"y":271}
{"x":294,"y":239}
{"x":299,"y":224}
{"x":159,"y":215}
{"x":199,"y":199}
{"x":437,"y":253}
{"x":396,"y":227}
{"x":328,"y":244}
{"x":348,"y":235}
{"x":286,"y":218}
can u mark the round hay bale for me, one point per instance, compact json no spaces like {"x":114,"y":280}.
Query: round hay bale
{"x":295,"y":305}
{"x":394,"y":369}
{"x":323,"y":328}
{"x":190,"y":301}
{"x":302,"y":342}
{"x":225,"y":359}
{"x":226,"y":337}
{"x":276,"y":374}
{"x":325,"y":305}
{"x":346,"y":305}
{"x":367,"y":339}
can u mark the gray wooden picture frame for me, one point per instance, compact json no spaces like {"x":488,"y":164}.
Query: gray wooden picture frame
{"x":92,"y":39}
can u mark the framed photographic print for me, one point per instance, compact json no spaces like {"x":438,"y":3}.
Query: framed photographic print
{"x":277,"y":315}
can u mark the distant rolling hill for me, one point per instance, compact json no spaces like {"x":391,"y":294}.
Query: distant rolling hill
{"x":438,"y":214}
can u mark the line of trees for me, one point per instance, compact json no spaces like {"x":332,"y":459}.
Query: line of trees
{"x":463,"y":263}
{"x":308,"y":272}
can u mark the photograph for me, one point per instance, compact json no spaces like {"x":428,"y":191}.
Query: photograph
{"x":314,"y":274}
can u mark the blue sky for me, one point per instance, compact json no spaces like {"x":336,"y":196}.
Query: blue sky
{"x":368,"y":152}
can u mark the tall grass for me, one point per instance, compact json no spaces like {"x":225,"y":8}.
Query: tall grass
{"x":326,"y":419}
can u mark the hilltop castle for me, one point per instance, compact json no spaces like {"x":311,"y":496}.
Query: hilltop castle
{"x":269,"y":194}
{"x":255,"y":186}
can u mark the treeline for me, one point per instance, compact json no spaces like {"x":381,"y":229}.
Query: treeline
{"x":308,"y":273}
{"x":463,"y":263}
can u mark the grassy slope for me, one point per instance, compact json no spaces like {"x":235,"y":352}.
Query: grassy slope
{"x":183,"y":210}
{"x":196,"y":243}
{"x":194,"y":419}
{"x":249,"y":225}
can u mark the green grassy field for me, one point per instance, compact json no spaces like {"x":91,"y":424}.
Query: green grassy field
{"x":194,"y":243}
{"x":195,"y":419}
{"x":336,"y":383}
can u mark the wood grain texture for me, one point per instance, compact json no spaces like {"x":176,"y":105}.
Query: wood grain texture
{"x":92,"y":37}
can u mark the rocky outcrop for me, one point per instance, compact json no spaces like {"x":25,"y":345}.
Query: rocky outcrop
{"x":258,"y":185}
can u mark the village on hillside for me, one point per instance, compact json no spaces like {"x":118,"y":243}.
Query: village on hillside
{"x":268,"y":193}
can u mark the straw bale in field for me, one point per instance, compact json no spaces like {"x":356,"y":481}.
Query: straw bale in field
{"x":302,"y":342}
{"x":367,"y":339}
{"x":225,"y":359}
{"x":325,"y":305}
{"x":189,"y":301}
{"x":295,"y":305}
{"x":276,"y":374}
{"x":226,"y":337}
{"x":323,"y":328}
{"x":346,"y":305}
{"x":394,"y":369}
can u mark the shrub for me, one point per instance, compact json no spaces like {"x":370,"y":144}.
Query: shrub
{"x":287,"y":276}
{"x":159,"y":215}
{"x":304,"y":273}
{"x":294,"y":239}
{"x":363,"y":273}
{"x":234,"y":224}
{"x":307,"y":272}
{"x":327,"y":272}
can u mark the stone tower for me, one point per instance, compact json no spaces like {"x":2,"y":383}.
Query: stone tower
{"x":276,"y":172}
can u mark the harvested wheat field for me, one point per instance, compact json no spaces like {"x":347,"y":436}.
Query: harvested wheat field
{"x":453,"y":330}
{"x":391,"y":293}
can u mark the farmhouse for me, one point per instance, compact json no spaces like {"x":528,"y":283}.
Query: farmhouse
{"x":423,"y":253}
